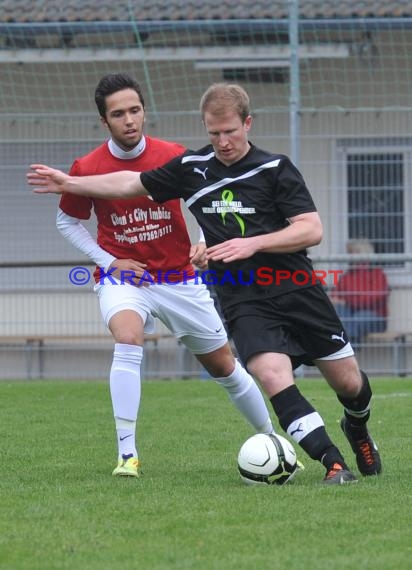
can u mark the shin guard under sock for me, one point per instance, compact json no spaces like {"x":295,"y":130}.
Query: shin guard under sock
{"x":301,"y":421}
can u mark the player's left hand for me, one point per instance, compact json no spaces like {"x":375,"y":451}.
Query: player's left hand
{"x":198,"y":255}
{"x":231,"y":250}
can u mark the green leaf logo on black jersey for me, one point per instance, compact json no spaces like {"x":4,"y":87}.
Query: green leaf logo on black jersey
{"x":227,"y":199}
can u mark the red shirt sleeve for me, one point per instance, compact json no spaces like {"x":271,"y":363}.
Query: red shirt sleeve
{"x":76,"y":206}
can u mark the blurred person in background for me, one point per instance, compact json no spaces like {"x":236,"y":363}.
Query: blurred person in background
{"x":361,"y":295}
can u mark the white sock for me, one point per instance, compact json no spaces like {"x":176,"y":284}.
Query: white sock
{"x":125,"y":392}
{"x":246,"y":396}
{"x":126,"y":437}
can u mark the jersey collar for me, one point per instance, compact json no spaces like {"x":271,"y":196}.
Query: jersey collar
{"x":127,"y":154}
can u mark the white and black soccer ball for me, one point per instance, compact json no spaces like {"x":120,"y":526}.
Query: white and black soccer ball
{"x":267,"y":460}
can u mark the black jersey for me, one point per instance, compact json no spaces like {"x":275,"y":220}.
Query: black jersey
{"x":256,"y":195}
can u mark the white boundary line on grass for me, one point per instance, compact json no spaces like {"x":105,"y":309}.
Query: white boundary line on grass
{"x":374,"y":396}
{"x":392,"y":395}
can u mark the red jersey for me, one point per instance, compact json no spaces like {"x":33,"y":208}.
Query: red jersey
{"x":364,"y":287}
{"x":137,"y":228}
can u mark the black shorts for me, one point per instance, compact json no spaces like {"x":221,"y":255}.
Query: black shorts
{"x":302,"y":324}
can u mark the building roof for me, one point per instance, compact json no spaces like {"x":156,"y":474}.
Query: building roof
{"x":43,"y":11}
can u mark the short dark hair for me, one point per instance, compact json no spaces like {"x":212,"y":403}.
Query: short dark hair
{"x":112,"y":83}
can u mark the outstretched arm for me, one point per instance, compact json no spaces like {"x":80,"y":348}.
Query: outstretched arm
{"x":304,"y":230}
{"x":124,"y":184}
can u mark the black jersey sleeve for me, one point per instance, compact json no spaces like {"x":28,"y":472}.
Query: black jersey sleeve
{"x":292,"y":195}
{"x":164,"y":183}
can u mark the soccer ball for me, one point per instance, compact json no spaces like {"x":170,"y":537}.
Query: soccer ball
{"x":267,"y":460}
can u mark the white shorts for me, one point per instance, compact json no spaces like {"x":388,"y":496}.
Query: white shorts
{"x":186,"y":309}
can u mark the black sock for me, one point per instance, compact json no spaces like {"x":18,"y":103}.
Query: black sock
{"x":301,"y":421}
{"x":357,"y":409}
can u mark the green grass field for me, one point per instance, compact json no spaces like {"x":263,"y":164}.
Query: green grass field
{"x":61,"y":508}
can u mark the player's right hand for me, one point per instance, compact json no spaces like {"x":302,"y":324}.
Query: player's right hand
{"x":46,"y":180}
{"x":132,"y":272}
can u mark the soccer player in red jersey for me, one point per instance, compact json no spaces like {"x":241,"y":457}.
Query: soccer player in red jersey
{"x":142,"y":242}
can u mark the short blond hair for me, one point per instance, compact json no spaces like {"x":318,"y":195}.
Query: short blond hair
{"x":220,"y":97}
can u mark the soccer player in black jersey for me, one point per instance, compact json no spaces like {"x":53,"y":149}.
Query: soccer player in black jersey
{"x":258,"y":218}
